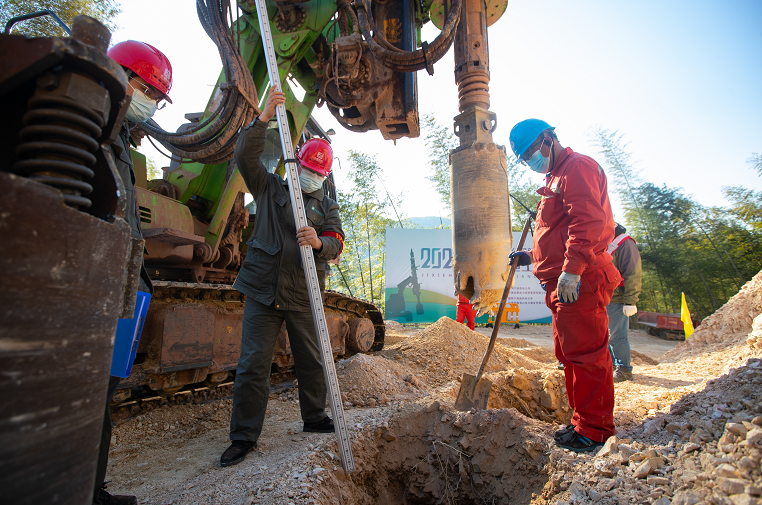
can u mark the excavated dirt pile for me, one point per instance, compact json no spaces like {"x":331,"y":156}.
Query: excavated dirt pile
{"x":367,"y":381}
{"x":524,"y":376}
{"x":729,"y":326}
{"x":437,"y":455}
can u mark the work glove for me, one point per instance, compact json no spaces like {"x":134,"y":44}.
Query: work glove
{"x":568,"y":287}
{"x":629,"y":310}
{"x":524,"y":258}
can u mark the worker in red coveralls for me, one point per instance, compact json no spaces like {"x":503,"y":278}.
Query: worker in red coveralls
{"x":465,"y":311}
{"x":574,"y":227}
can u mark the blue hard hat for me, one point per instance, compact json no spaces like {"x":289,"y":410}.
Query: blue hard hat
{"x":525,"y":133}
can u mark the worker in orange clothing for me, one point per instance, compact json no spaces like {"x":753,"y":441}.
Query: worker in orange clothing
{"x":575,"y":225}
{"x":465,"y":311}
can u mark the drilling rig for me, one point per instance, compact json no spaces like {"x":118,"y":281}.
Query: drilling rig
{"x":63,"y":204}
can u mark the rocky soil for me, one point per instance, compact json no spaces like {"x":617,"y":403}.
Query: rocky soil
{"x":689,"y":428}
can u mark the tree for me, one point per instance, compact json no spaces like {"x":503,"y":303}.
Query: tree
{"x":366,"y":213}
{"x":707,"y":253}
{"x":440,"y":141}
{"x":755,"y":160}
{"x":104,"y":11}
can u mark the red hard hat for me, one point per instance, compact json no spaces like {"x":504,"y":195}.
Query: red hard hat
{"x":146,"y":61}
{"x":317,"y":155}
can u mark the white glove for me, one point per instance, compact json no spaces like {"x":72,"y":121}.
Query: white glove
{"x":568,"y":287}
{"x":629,"y":310}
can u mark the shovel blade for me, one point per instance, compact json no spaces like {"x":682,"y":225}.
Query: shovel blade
{"x":473,"y":394}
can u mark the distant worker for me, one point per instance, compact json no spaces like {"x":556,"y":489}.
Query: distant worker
{"x":574,"y":226}
{"x":150,"y":79}
{"x":624,"y":301}
{"x":465,"y":311}
{"x":272,"y":278}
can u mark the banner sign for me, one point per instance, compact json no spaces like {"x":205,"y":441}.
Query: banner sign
{"x":420,"y":287}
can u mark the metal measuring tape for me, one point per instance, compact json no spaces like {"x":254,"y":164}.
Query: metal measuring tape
{"x":308,"y":261}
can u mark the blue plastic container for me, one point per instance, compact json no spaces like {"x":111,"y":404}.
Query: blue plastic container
{"x":128,"y":337}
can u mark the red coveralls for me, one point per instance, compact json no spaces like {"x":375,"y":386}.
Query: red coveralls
{"x":465,"y":311}
{"x":575,"y":225}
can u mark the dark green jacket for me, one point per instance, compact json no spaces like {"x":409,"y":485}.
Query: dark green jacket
{"x":272,"y":272}
{"x":627,"y":261}
{"x":120,"y":151}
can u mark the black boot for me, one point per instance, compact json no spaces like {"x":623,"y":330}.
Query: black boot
{"x":104,"y":498}
{"x":323,"y":426}
{"x":236,"y":452}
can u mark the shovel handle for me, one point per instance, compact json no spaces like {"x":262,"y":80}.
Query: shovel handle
{"x":506,"y":291}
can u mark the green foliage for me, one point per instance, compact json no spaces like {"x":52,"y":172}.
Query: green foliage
{"x":440,"y":141}
{"x":707,"y":253}
{"x":152,"y":171}
{"x":365,"y":214}
{"x":104,"y":11}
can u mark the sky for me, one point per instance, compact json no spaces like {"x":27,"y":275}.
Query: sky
{"x":680,"y":80}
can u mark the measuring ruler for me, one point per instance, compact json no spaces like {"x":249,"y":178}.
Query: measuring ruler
{"x":308,"y":261}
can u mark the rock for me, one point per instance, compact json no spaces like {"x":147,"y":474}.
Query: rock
{"x":315,"y":471}
{"x":521,"y":382}
{"x":754,"y":489}
{"x":594,"y":495}
{"x":662,"y":501}
{"x":625,"y":451}
{"x":605,"y":468}
{"x":577,"y":491}
{"x":690,"y":447}
{"x":657,"y":481}
{"x":731,"y":486}
{"x":610,"y":447}
{"x":652,"y":426}
{"x":643,"y":469}
{"x":736,"y":429}
{"x":743,"y":499}
{"x":637,"y":457}
{"x":754,"y":437}
{"x":686,"y":498}
{"x":725,"y":470}
{"x":370,"y":402}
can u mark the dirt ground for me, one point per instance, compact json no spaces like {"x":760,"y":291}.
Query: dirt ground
{"x":688,"y":431}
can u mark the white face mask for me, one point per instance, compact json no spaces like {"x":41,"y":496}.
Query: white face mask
{"x":141,"y":107}
{"x":310,"y":181}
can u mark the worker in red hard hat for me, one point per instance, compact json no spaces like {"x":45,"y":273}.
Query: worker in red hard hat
{"x":574,"y":227}
{"x":273,"y":280}
{"x":149,"y":76}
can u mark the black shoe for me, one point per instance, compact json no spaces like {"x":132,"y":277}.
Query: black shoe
{"x":323,"y":426}
{"x":578,"y":443}
{"x":236,"y":452}
{"x":108,"y":499}
{"x":562,"y":434}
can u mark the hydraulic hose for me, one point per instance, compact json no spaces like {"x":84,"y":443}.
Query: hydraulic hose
{"x":407,"y":61}
{"x":213,"y":140}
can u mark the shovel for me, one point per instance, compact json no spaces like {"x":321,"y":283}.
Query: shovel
{"x":474,"y":391}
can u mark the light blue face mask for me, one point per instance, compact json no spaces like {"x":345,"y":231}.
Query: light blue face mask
{"x":538,"y":163}
{"x":141,"y":107}
{"x":310,"y":181}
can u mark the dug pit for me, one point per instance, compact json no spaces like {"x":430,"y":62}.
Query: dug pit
{"x":434,"y":454}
